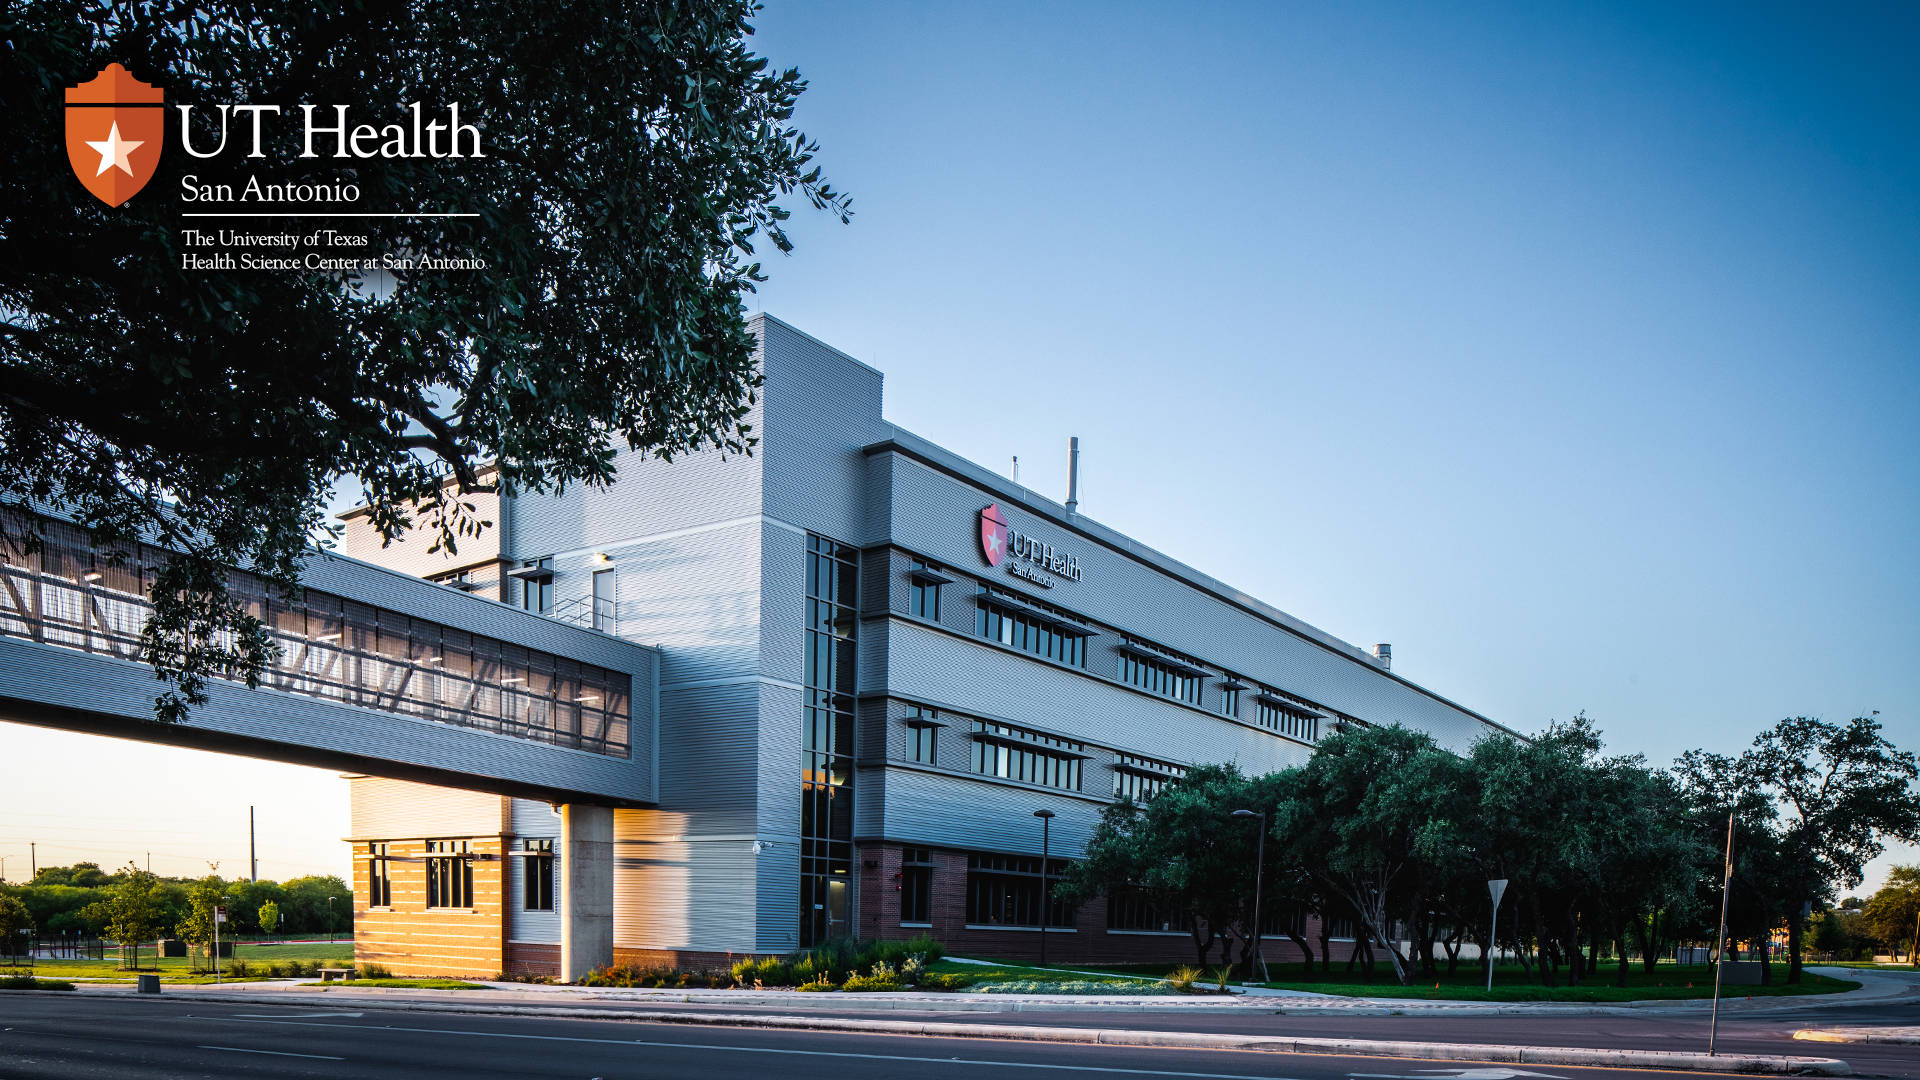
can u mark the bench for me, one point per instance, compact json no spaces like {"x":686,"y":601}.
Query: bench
{"x":327,"y":975}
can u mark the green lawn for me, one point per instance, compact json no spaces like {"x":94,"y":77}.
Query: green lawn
{"x":1026,"y":979}
{"x":179,"y":969}
{"x":1665,"y":982}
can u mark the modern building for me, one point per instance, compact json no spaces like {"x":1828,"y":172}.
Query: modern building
{"x":876,"y":662}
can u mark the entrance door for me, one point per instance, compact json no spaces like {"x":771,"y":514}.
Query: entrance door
{"x":836,"y":907}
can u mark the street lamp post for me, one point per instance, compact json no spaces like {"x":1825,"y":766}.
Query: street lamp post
{"x":1259,"y":865}
{"x":1046,"y":901}
{"x":1496,"y":887}
{"x":330,"y":901}
{"x":1720,"y":949}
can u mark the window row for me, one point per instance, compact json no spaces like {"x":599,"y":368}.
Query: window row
{"x":1290,"y":720}
{"x":1008,"y":890}
{"x":1141,"y":778}
{"x":1168,"y":678}
{"x":1030,"y":756}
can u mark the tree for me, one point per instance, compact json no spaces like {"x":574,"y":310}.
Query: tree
{"x":1364,"y":811}
{"x":1893,"y":913}
{"x":131,"y":912}
{"x":1835,"y":792}
{"x":306,"y":906}
{"x":269,"y":917}
{"x":1180,"y":850}
{"x":14,"y":917}
{"x":631,"y":157}
{"x":197,"y":926}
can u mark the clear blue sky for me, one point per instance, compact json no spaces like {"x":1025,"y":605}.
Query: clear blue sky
{"x":1569,"y":348}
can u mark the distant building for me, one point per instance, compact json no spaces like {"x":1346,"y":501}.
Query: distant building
{"x":877,"y":661}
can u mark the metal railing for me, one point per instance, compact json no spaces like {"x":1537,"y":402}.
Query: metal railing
{"x":331,"y":648}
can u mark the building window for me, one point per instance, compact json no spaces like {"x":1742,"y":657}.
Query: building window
{"x":1141,"y":778}
{"x":826,"y":782}
{"x":1278,"y":715}
{"x":1285,"y":921}
{"x":537,"y":895}
{"x":1019,"y":754}
{"x":449,"y":874}
{"x":916,"y":885}
{"x":1024,"y":630}
{"x":1230,"y":701}
{"x":603,"y":582}
{"x":921,"y":728}
{"x":1005,"y":890}
{"x":534,"y":592}
{"x":379,"y":876}
{"x":1168,"y":677}
{"x":924,"y":601}
{"x":1135,"y":909}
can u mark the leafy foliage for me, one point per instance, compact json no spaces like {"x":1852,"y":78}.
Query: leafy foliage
{"x":635,"y":156}
{"x":131,"y":913}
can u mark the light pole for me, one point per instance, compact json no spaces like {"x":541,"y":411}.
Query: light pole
{"x":330,"y":901}
{"x":1259,"y":864}
{"x":1720,"y":952}
{"x":1496,"y":888}
{"x":1046,"y":901}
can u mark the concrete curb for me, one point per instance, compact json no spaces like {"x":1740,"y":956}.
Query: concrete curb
{"x":1770,"y":1064}
{"x":1896,"y":1036}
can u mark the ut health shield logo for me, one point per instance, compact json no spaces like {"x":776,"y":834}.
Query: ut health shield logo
{"x":994,"y":535}
{"x":115,"y":127}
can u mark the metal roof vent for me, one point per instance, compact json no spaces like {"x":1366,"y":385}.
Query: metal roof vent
{"x":1073,"y":475}
{"x":1383,"y":652}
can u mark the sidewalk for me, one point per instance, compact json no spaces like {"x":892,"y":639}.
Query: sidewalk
{"x":1875,"y":987}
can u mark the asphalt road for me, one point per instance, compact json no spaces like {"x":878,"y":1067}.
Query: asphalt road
{"x":100,"y":1037}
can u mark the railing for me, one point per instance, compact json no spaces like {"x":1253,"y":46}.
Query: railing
{"x":330,"y":648}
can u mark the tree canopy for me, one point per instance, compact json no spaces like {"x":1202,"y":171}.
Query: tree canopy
{"x":636,"y":158}
{"x":1383,"y":828}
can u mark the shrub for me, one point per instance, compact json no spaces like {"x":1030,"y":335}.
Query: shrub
{"x":240,"y":969}
{"x":1220,"y":976}
{"x":28,"y":982}
{"x":521,"y":977}
{"x":374,"y":971}
{"x":944,"y":981}
{"x":870,"y":984}
{"x":1181,"y":979}
{"x":819,"y":984}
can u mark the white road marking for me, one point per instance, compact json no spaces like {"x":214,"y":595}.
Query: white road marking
{"x":282,"y":1016}
{"x":1497,"y":1072}
{"x":275,"y":1053}
{"x":1112,"y":1070}
{"x":1492,"y":1073}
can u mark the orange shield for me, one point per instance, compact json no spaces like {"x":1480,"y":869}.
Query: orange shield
{"x":115,"y":127}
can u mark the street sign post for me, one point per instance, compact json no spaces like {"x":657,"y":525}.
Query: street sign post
{"x":1720,"y":949}
{"x":219,"y":916}
{"x":1496,"y":887}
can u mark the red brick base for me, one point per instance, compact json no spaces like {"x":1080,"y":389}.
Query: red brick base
{"x":1088,"y":942}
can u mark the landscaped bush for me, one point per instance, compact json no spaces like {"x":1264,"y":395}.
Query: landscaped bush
{"x":1182,"y":978}
{"x":28,"y":982}
{"x":819,"y":983}
{"x":943,"y":981}
{"x":374,"y":971}
{"x":240,"y":969}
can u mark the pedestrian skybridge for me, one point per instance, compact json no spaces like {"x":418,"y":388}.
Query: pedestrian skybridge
{"x":377,"y":672}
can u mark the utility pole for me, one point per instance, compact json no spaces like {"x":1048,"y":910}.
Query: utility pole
{"x":253,"y":857}
{"x":1720,"y":954}
{"x":33,"y":860}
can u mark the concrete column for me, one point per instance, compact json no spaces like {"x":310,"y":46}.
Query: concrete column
{"x":586,"y":889}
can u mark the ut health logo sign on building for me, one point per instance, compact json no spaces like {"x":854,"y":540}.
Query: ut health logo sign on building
{"x":115,"y":127}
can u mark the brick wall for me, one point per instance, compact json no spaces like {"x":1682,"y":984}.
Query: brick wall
{"x":1089,"y":942}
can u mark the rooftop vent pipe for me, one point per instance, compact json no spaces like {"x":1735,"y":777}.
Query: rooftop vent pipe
{"x":1016,"y":468}
{"x":1383,"y":652}
{"x":1073,"y":475}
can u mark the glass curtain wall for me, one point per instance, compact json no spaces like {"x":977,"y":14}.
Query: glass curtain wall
{"x":826,"y":780}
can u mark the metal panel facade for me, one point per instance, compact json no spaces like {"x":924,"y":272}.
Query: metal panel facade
{"x":711,"y":562}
